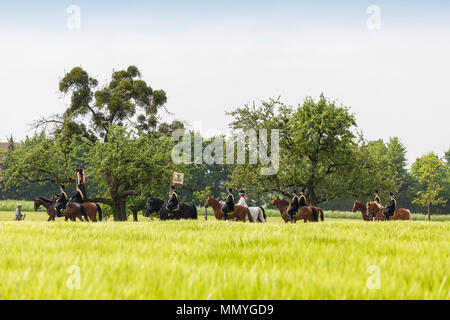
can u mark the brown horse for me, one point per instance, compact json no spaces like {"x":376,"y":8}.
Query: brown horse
{"x":47,"y":204}
{"x":308,"y":213}
{"x":240,"y":212}
{"x":358,"y":205}
{"x":73,"y":211}
{"x":376,"y":210}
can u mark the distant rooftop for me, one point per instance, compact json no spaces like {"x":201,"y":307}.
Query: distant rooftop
{"x":4,"y":146}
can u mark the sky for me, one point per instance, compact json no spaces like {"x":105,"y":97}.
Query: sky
{"x":391,"y":66}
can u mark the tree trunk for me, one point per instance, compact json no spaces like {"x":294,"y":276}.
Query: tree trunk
{"x":135,"y":217}
{"x":429,"y":213}
{"x":120,"y":213}
{"x":312,"y":198}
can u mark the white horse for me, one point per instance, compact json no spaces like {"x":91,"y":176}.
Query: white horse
{"x":257,"y":214}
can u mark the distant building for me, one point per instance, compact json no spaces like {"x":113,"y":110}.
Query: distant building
{"x":4,"y":145}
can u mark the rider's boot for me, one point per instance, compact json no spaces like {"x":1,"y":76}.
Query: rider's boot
{"x":58,"y":212}
{"x":224,"y":217}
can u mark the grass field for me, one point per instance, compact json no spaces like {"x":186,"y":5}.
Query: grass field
{"x":338,"y":259}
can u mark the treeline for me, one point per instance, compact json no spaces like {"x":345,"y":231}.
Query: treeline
{"x":115,"y":133}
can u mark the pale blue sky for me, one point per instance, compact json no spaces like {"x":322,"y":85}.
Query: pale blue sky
{"x":213,"y":56}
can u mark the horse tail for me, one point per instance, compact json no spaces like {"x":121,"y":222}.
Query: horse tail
{"x":264,"y":213}
{"x":315,"y":214}
{"x":99,"y":210}
{"x":410,"y":215}
{"x":195,"y":216}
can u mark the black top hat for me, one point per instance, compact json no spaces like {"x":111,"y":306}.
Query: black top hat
{"x":376,"y":191}
{"x":172,"y":187}
{"x":242,"y":191}
{"x":302,"y":191}
{"x":62,"y":186}
{"x":230,"y":190}
{"x":294,"y":191}
{"x":391,"y":193}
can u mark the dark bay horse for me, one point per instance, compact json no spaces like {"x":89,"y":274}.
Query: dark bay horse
{"x":186,"y":210}
{"x":306,"y":214}
{"x":47,"y":204}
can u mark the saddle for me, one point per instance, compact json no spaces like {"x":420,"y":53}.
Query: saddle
{"x":173,"y":211}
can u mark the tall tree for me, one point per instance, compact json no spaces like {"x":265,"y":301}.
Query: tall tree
{"x":430,"y":173}
{"x":123,"y":165}
{"x":96,"y":126}
{"x":317,"y":148}
{"x":447,"y":157}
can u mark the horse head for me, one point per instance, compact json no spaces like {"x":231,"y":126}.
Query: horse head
{"x":153,"y":205}
{"x":208,"y":202}
{"x":355,"y":206}
{"x":149,"y":207}
{"x":37,"y":204}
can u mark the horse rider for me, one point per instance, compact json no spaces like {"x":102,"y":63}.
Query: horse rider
{"x":229,"y":204}
{"x":302,"y":199}
{"x":390,"y":209}
{"x":173,"y":203}
{"x":242,"y":199}
{"x":293,"y":207}
{"x":377,"y":197}
{"x":79,"y":198}
{"x":62,"y":201}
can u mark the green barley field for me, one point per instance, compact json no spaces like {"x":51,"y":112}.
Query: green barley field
{"x":336,"y":259}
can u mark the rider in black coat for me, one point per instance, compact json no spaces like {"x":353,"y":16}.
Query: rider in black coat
{"x":79,"y":198}
{"x":390,"y":209}
{"x":302,"y":199}
{"x":294,"y":206}
{"x":62,"y":201}
{"x":173,"y":203}
{"x":229,"y":204}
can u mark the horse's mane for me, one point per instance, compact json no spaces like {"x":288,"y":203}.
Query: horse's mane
{"x":157,"y":201}
{"x":281,"y":201}
{"x":45,"y":200}
{"x":214,"y":200}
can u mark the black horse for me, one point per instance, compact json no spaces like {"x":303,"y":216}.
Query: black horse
{"x":186,"y":210}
